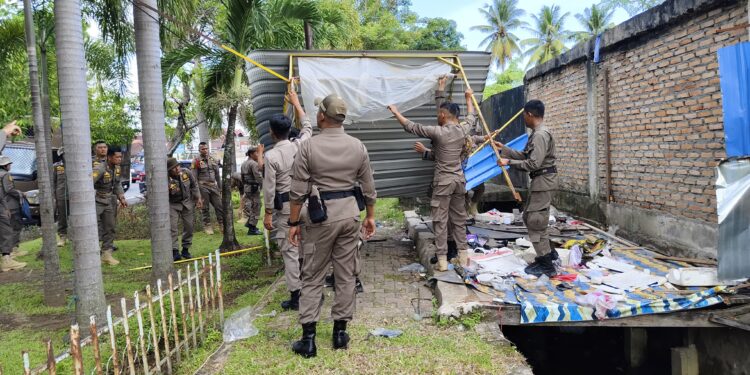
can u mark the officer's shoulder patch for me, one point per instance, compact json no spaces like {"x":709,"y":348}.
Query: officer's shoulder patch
{"x":60,"y":168}
{"x":185,"y":176}
{"x":96,"y":163}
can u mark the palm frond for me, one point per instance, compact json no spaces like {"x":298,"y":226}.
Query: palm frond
{"x":175,"y":59}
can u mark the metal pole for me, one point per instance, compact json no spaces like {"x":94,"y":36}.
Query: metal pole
{"x":308,"y":35}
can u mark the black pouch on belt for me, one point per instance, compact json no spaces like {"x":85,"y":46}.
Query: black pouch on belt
{"x":316,"y":208}
{"x":278,"y":203}
{"x":360,"y":197}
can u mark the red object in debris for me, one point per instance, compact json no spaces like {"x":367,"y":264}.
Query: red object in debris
{"x":575,"y":222}
{"x":567,"y":277}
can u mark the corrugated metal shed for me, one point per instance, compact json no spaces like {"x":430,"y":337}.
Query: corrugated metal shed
{"x":399,"y":171}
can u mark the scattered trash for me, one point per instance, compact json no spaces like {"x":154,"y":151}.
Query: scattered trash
{"x":697,"y":276}
{"x":575,"y":256}
{"x":523,"y":242}
{"x":601,"y":302}
{"x":240,"y":325}
{"x":613,"y":264}
{"x":414,"y":267}
{"x":485,"y":278}
{"x":566,"y":277}
{"x":543,"y":280}
{"x":388,"y":333}
{"x":632,"y":280}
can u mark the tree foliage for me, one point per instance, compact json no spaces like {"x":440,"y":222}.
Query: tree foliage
{"x":633,"y":7}
{"x":595,"y":20}
{"x":549,"y":35}
{"x":113,"y":117}
{"x":509,"y":78}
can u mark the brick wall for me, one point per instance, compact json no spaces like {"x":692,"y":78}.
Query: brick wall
{"x":665,"y":114}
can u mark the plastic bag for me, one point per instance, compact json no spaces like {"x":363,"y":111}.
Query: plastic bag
{"x":414,"y":267}
{"x":389,"y":333}
{"x":240,"y":325}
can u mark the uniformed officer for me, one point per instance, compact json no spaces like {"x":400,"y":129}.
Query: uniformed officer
{"x":61,"y":197}
{"x":10,"y":221}
{"x":537,"y":158}
{"x":206,"y":171}
{"x":252,"y":180}
{"x":277,"y":181}
{"x":10,"y":130}
{"x":100,"y":151}
{"x":184,"y":198}
{"x":331,"y":164}
{"x":449,"y":141}
{"x":106,"y":184}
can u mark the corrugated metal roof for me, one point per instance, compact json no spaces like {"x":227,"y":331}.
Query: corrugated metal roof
{"x":399,"y":171}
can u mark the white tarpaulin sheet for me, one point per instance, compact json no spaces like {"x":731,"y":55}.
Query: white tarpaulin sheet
{"x":368,"y":85}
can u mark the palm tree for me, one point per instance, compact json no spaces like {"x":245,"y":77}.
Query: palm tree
{"x":53,"y":291}
{"x":503,"y":17}
{"x":74,"y":113}
{"x":148,"y":53}
{"x":549,"y":35}
{"x":249,"y":25}
{"x":595,"y":20}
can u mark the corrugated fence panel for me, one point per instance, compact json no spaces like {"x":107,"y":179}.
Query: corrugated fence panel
{"x":399,"y":171}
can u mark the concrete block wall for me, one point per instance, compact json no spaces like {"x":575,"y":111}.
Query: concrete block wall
{"x":666,"y":125}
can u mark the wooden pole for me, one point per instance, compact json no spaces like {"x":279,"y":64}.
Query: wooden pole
{"x":266,"y":236}
{"x":26,"y":363}
{"x":205,"y":290}
{"x":191,"y":306}
{"x":211,"y":284}
{"x":95,"y":344}
{"x":51,"y":364}
{"x":128,"y":342}
{"x":185,"y":337}
{"x":154,"y":338}
{"x":164,"y":330}
{"x":141,"y":338}
{"x":113,"y":342}
{"x":198,"y":297}
{"x":75,"y":350}
{"x":175,"y":326}
{"x":219,"y":287}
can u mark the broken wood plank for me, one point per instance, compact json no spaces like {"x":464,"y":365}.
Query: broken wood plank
{"x":708,"y":262}
{"x":729,"y":322}
{"x":612,"y":236}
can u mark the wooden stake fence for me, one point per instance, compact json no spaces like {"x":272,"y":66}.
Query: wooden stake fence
{"x":171,"y":332}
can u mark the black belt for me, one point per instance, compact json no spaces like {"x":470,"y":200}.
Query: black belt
{"x":541,"y":172}
{"x":330,"y":195}
{"x":283,"y":197}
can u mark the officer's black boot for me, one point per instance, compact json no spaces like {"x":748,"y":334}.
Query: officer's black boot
{"x":176,"y":255}
{"x":358,"y":286}
{"x":306,"y":345}
{"x":292,"y":303}
{"x":542,"y":266}
{"x":186,"y":253}
{"x":330,"y":281}
{"x":452,"y":250}
{"x":340,"y":337}
{"x":252,"y":230}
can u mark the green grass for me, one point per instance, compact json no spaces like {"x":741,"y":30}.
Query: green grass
{"x":388,"y":212}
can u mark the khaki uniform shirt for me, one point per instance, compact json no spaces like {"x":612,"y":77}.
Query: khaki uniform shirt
{"x":206,"y":170}
{"x":3,"y":140}
{"x":183,"y":189}
{"x":106,"y":182}
{"x":59,"y":180}
{"x":251,"y":175}
{"x":9,"y":196}
{"x":333,"y":161}
{"x":278,"y":166}
{"x":539,"y":153}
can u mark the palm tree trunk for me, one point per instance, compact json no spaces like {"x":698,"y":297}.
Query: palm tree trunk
{"x":53,"y":292}
{"x":46,"y":107}
{"x":229,"y":242}
{"x":74,"y":110}
{"x":203,"y":134}
{"x":148,"y":54}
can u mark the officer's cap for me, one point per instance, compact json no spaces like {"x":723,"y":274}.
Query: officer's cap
{"x":171,"y":163}
{"x":333,"y":106}
{"x":5,"y":160}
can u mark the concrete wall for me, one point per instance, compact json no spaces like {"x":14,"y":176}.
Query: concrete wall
{"x":665,"y":122}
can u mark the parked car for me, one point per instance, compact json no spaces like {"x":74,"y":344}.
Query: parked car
{"x":137,"y":172}
{"x":24,"y":171}
{"x":142,"y":183}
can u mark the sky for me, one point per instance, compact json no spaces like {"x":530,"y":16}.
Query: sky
{"x":466,"y":14}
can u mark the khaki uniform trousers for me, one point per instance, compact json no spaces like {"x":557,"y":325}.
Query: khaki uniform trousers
{"x":106,"y":222}
{"x":536,"y":218}
{"x":210,"y":194}
{"x":289,"y":252}
{"x":178,"y":213}
{"x":251,"y":207}
{"x":448,"y":209}
{"x":336,"y":243}
{"x":6,"y":233}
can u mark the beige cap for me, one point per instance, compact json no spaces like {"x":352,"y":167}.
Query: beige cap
{"x":333,"y":106}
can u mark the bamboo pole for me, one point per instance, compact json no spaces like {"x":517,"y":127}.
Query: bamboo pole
{"x":75,"y":350}
{"x":26,"y":363}
{"x":141,"y":338}
{"x":128,"y":342}
{"x":175,"y":326}
{"x":154,"y":339}
{"x":164,"y":330}
{"x":95,"y":344}
{"x":235,"y":252}
{"x":498,"y":131}
{"x":266,"y":236}
{"x":198,"y":298}
{"x":191,"y":308}
{"x":113,"y":342}
{"x":51,"y":364}
{"x":205,"y":292}
{"x":185,"y":337}
{"x":487,"y":130}
{"x":211,"y":284}
{"x":219,"y":288}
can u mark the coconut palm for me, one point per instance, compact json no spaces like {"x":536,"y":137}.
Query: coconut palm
{"x":249,"y":25}
{"x":503,"y":17}
{"x":549,"y":35}
{"x":53,"y":291}
{"x":595,"y":20}
{"x":74,"y":113}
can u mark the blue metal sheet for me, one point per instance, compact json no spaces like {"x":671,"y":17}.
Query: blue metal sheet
{"x":482,"y":165}
{"x":734,"y":71}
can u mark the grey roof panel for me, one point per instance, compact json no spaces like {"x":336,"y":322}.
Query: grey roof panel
{"x":399,"y":171}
